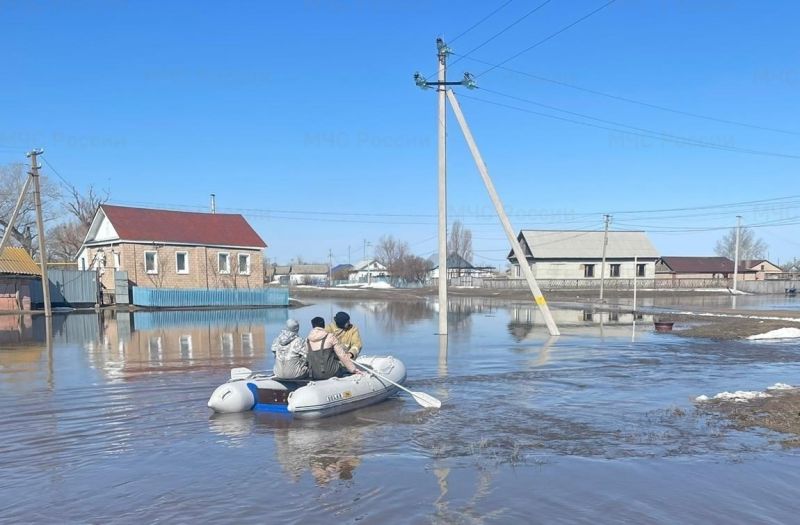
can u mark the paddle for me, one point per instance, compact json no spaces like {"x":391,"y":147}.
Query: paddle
{"x":420,"y":397}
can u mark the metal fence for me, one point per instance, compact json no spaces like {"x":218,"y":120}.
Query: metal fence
{"x":178,"y":298}
{"x":609,"y":284}
{"x":68,"y":288}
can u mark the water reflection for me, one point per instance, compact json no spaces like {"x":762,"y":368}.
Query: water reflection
{"x":526,"y":322}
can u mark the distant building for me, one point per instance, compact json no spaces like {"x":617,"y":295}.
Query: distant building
{"x":173,"y":249}
{"x":341,"y":272}
{"x":367,"y":271}
{"x":759,"y":270}
{"x":457,"y":266}
{"x":679,"y":267}
{"x":310,"y":274}
{"x":18,"y":271}
{"x":578,"y":254}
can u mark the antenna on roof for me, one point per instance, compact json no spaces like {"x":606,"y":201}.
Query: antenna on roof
{"x":213,"y":203}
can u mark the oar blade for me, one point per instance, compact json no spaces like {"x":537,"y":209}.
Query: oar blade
{"x":426,"y":400}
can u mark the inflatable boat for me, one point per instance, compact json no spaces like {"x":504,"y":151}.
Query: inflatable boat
{"x":304,"y":398}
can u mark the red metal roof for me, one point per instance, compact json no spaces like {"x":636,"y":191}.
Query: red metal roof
{"x":209,"y":229}
{"x":699,"y":264}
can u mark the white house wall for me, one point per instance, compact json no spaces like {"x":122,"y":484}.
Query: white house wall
{"x":105,"y":232}
{"x":575,"y":269}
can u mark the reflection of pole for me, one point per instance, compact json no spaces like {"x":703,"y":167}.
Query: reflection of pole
{"x":442,"y":355}
{"x":48,"y":334}
{"x":442,"y":188}
{"x":736,"y":252}
{"x":498,"y":205}
{"x":37,"y":200}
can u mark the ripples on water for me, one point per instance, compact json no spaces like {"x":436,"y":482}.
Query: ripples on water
{"x":110,"y":424}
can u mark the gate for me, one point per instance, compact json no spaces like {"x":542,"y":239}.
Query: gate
{"x":68,"y":288}
{"x":121,"y":290}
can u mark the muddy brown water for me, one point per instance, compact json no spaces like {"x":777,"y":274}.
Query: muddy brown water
{"x":110,"y":423}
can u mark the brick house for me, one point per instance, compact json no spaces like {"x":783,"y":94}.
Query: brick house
{"x":173,"y":249}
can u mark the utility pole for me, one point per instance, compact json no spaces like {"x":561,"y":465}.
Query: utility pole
{"x":441,"y":88}
{"x":348,"y":255}
{"x":498,"y":206}
{"x":37,"y":200}
{"x":365,"y":248}
{"x":635,"y":276}
{"x":330,"y":268}
{"x":213,"y":203}
{"x":736,"y":252}
{"x":13,"y":219}
{"x":603,"y":263}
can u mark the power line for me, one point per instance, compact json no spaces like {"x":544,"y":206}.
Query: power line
{"x":631,"y":100}
{"x":479,"y":22}
{"x":647,"y":134}
{"x":515,"y":22}
{"x":550,"y":37}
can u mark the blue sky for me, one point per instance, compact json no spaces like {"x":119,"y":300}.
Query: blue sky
{"x":304,"y":116}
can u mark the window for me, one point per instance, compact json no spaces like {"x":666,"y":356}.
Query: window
{"x":640,"y":269}
{"x":244,"y":264}
{"x":588,"y":270}
{"x":151,"y":262}
{"x":613,"y":316}
{"x":614,"y":270}
{"x":116,"y":261}
{"x":587,"y":315}
{"x":182,"y":262}
{"x":224,"y":262}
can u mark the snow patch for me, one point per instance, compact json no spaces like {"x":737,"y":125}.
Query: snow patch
{"x":743,"y":396}
{"x":780,"y":333}
{"x":380,"y":285}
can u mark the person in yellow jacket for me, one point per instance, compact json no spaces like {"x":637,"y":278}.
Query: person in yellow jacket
{"x":346,"y":332}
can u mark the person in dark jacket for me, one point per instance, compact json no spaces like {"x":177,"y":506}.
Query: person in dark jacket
{"x":326,"y":356}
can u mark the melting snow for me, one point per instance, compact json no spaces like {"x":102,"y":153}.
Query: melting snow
{"x":780,"y":333}
{"x":743,"y":396}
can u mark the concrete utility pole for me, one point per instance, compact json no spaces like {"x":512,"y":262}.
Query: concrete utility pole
{"x":736,"y":252}
{"x":365,"y":248}
{"x":498,"y":206}
{"x":330,"y":267}
{"x":635,"y":276}
{"x":603,"y":263}
{"x":37,"y":200}
{"x":13,"y":219}
{"x":213,"y":203}
{"x":441,"y":88}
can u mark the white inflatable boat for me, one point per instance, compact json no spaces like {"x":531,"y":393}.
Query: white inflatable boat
{"x":247,"y":390}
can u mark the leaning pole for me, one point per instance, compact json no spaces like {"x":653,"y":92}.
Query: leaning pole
{"x":498,"y":206}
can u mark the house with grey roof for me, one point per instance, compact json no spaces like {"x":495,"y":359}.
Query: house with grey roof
{"x":578,"y":254}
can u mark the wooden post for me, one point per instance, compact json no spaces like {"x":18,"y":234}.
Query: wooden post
{"x":37,"y":199}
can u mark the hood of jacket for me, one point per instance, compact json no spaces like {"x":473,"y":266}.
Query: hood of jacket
{"x":317,"y":334}
{"x":286,"y":337}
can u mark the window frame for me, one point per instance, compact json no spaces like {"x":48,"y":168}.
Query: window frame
{"x":239,"y":265}
{"x":186,"y":260}
{"x":227,"y":263}
{"x":588,"y":270}
{"x":612,"y":267}
{"x":643,"y":268}
{"x":154,"y":271}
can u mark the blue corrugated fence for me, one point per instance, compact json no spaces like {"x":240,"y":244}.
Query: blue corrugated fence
{"x":176,"y":298}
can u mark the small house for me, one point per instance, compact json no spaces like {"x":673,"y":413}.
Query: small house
{"x":759,"y":270}
{"x":18,"y":273}
{"x":457,"y":266}
{"x":367,"y":271}
{"x":679,"y":267}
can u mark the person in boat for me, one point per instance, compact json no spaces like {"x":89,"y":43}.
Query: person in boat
{"x":326,"y":356}
{"x":346,"y":332}
{"x":291,"y":361}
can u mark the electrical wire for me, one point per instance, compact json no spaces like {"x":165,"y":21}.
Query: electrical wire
{"x":479,"y":22}
{"x":548,"y":38}
{"x":631,"y":100}
{"x":649,"y":134}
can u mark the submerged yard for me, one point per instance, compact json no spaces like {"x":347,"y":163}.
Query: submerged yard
{"x":111,"y":424}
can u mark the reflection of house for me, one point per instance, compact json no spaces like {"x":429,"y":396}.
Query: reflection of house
{"x":758,"y":269}
{"x":457,"y":266}
{"x":367,"y":271}
{"x":17,"y":272}
{"x":694,"y":268}
{"x":173,"y":249}
{"x":559,"y":254}
{"x":316,"y":274}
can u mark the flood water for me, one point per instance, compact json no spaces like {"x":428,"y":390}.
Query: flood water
{"x":110,"y":424}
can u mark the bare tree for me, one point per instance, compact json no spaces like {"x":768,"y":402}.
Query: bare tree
{"x":411,"y":269}
{"x":23,"y":231}
{"x":389,"y":251}
{"x":750,"y":247}
{"x":460,"y":241}
{"x":65,"y":239}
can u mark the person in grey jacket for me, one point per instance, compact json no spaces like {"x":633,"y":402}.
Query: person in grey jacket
{"x":291,"y":361}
